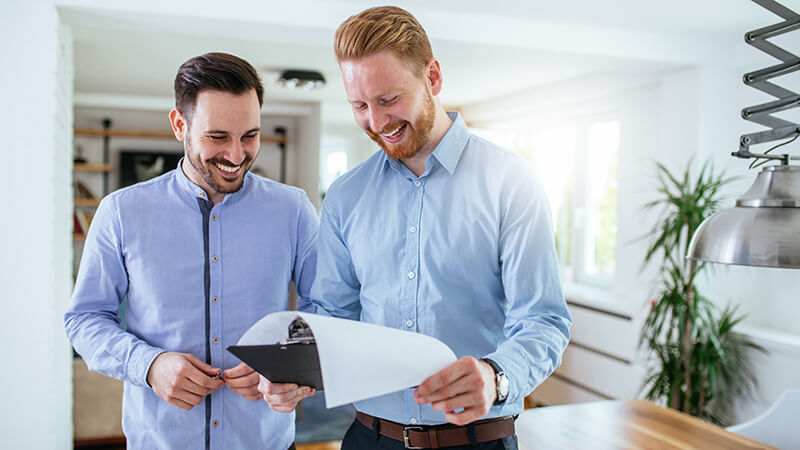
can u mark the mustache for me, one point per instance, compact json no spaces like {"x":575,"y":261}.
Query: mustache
{"x":390,"y":127}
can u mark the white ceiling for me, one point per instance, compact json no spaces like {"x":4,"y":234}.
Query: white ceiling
{"x":487,"y":49}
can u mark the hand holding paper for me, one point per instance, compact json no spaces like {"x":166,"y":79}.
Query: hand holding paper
{"x":468,"y":383}
{"x":357,"y":360}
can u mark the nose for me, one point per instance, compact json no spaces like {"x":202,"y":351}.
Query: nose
{"x":236,"y":153}
{"x":378,"y":119}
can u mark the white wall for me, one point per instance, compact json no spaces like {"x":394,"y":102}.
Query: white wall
{"x":36,"y":125}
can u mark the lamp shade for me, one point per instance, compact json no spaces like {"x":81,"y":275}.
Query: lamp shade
{"x":301,"y":79}
{"x":762,"y":230}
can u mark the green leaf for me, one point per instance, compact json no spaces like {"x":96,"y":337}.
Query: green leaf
{"x":719,"y":361}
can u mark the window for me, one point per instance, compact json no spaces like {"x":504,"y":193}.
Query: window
{"x":577,"y":165}
{"x":332,"y":161}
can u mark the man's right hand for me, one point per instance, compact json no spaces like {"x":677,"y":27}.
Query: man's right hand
{"x":182,"y":380}
{"x":283,"y":397}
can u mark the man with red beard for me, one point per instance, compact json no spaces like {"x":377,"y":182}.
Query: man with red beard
{"x":200,"y":253}
{"x":441,"y":233}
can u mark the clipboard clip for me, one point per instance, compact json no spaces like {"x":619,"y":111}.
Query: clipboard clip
{"x":299,"y":333}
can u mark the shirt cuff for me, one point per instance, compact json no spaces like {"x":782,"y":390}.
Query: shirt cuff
{"x":140,"y":362}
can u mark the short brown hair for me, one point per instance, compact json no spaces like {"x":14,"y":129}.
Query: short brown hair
{"x":383,"y":28}
{"x":214,"y":72}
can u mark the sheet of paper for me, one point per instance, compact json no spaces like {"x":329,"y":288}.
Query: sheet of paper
{"x":359,"y":360}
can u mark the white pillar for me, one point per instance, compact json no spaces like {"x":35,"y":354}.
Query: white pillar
{"x":36,"y":78}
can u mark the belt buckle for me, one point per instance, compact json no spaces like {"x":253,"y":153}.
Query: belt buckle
{"x":405,"y":436}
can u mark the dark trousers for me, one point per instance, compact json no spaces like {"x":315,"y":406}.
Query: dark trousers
{"x":359,"y":437}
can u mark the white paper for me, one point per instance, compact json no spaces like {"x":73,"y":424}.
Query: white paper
{"x":359,"y":360}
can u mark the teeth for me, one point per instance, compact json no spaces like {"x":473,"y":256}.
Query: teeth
{"x":228,"y":168}
{"x":394,"y":133}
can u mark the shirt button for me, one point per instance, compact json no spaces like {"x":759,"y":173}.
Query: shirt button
{"x":215,"y":299}
{"x":413,"y":420}
{"x":411,"y":275}
{"x":215,"y":423}
{"x":418,"y":183}
{"x":413,"y":229}
{"x":214,"y":258}
{"x":216,"y":340}
{"x":214,"y":217}
{"x":409,"y":323}
{"x":202,"y":194}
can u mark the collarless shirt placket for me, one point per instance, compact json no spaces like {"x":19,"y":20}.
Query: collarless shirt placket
{"x":214,"y":301}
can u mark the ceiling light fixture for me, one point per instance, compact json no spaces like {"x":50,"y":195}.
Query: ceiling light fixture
{"x":762,"y":230}
{"x":301,"y":79}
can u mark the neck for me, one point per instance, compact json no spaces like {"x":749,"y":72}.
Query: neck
{"x":441,"y":123}
{"x":213,"y":196}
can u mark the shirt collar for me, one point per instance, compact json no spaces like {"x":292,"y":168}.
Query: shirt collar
{"x":449,"y":150}
{"x":188,"y":185}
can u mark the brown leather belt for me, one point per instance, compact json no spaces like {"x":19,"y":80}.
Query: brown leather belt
{"x":438,"y":436}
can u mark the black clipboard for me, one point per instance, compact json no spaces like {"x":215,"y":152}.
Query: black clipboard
{"x":294,"y":360}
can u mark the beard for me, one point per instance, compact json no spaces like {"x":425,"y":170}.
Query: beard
{"x":420,"y":132}
{"x":208,"y":170}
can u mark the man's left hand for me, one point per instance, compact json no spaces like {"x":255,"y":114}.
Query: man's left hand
{"x":243,"y":380}
{"x":468,"y":383}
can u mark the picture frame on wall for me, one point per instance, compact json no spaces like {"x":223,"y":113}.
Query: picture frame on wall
{"x":136,"y":166}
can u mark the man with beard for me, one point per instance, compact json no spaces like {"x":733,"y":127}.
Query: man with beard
{"x":441,"y":233}
{"x":200,"y":253}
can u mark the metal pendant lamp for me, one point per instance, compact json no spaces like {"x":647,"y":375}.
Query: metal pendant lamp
{"x":763,"y":229}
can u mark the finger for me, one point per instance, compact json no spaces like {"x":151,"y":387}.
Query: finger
{"x":440,"y":379}
{"x":250,"y":380}
{"x":248,"y":393}
{"x":280,"y":388}
{"x":252,"y":396}
{"x":181,"y":404}
{"x":288,"y":402}
{"x":202,"y":380}
{"x":465,"y":417}
{"x":193,"y":388}
{"x":466,"y":400}
{"x":239,"y":371}
{"x":468,"y":384}
{"x":205,"y":368}
{"x":178,"y":394}
{"x":290,"y":398}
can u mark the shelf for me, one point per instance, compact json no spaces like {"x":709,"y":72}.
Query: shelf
{"x":155,"y":135}
{"x":84,"y":167}
{"x":87,"y":201}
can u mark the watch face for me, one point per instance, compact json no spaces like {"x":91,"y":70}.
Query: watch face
{"x":502,"y":387}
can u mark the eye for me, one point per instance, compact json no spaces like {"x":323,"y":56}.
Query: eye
{"x":359,"y":106}
{"x":250,"y":136}
{"x":217,"y":138}
{"x":389,"y":101}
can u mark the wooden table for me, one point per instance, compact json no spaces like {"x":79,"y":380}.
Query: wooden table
{"x":630,"y":424}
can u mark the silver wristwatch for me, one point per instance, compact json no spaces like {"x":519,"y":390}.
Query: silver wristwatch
{"x":501,"y":381}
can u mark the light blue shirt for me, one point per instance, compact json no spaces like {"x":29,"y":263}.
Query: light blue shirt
{"x":196,"y":278}
{"x":464,"y":253}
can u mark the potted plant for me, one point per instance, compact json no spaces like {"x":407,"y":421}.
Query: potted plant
{"x":697,"y":364}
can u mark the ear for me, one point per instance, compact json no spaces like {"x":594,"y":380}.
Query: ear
{"x":179,"y":125}
{"x":433,"y":73}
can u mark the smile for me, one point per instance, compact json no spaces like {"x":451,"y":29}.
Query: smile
{"x":228,"y":169}
{"x":395,"y":133}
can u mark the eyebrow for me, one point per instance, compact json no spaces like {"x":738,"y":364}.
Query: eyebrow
{"x":252,"y":130}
